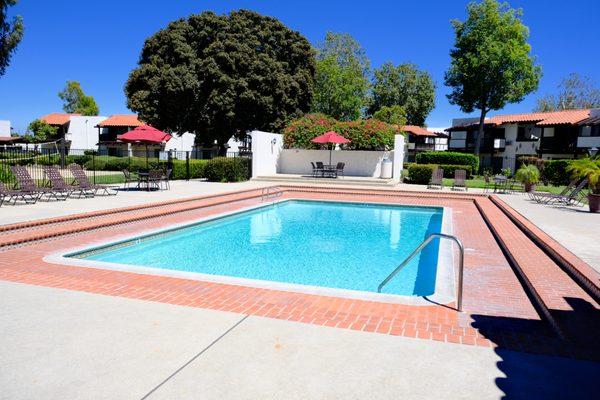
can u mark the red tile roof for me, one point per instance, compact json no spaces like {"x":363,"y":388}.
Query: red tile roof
{"x":565,"y":117}
{"x":417,"y":130}
{"x":543,"y":118}
{"x":57,"y":118}
{"x":122,"y":120}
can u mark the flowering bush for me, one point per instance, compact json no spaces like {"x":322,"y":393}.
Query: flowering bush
{"x":369,"y":134}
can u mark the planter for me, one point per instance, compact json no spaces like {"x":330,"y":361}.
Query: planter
{"x":594,"y":202}
{"x":529,"y":187}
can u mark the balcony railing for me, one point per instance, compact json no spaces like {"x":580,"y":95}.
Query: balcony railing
{"x":588,"y":141}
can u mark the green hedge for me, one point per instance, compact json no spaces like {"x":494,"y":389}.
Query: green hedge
{"x":227,"y":169}
{"x":365,"y":134}
{"x":449,"y":158}
{"x":420,"y":173}
{"x":450,"y":168}
{"x":196,"y":169}
{"x":555,"y":172}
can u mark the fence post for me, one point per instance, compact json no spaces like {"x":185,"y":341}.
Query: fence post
{"x":187,"y":165}
{"x":94,"y":167}
{"x":63,"y":150}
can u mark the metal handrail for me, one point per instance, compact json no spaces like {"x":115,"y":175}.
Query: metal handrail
{"x":412,"y":255}
{"x":266,"y":192}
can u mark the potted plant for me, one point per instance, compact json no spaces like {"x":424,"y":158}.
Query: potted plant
{"x":528,"y":175}
{"x":589,"y":168}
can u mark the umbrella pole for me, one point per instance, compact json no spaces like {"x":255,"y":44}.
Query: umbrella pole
{"x":330,"y":151}
{"x":146,"y":155}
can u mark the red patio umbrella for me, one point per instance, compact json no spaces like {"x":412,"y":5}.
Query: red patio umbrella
{"x":145,"y":134}
{"x":330,"y":137}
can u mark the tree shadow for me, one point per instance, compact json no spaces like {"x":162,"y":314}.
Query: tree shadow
{"x":537,"y":363}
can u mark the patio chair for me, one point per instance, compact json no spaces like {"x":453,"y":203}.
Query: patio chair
{"x":572,"y":198}
{"x":28,"y":186}
{"x":315,"y":170}
{"x":460,"y":177}
{"x":487,"y":183}
{"x":339,"y":169}
{"x":320,"y":169}
{"x":129,"y":178}
{"x":84,"y":182}
{"x":437,"y":179}
{"x":58,"y":183}
{"x":7,"y":194}
{"x":167,"y":178}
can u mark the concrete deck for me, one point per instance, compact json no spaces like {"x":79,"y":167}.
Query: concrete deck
{"x":179,"y":189}
{"x":61,"y":344}
{"x":573,"y":227}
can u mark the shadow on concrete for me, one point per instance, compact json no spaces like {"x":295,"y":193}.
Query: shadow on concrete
{"x":537,"y":363}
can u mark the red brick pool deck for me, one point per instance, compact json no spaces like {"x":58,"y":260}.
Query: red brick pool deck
{"x":518,"y":294}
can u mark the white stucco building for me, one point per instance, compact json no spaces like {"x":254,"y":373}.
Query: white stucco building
{"x":549,"y":135}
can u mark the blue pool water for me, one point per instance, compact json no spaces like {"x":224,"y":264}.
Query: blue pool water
{"x":337,"y":245}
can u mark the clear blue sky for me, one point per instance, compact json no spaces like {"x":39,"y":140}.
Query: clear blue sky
{"x":98,"y":43}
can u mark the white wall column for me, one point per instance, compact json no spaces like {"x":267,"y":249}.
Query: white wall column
{"x":266,"y":149}
{"x":399,"y":150}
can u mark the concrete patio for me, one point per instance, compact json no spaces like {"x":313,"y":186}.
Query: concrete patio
{"x":61,"y":344}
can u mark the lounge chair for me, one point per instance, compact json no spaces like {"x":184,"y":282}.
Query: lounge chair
{"x":58,"y":183}
{"x":460,"y":177}
{"x":7,"y":194}
{"x":27,"y":185}
{"x":339,"y":169}
{"x":437,"y":179}
{"x":542,"y":197}
{"x":572,"y":198}
{"x":84,"y":183}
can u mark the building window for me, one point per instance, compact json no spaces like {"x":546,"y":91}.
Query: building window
{"x":526,"y":134}
{"x":595,"y":130}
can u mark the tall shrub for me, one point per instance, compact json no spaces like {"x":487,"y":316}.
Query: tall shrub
{"x":369,"y":134}
{"x":556,"y":172}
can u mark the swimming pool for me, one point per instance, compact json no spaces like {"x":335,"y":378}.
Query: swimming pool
{"x":326,"y":244}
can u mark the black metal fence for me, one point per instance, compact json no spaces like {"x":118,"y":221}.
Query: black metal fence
{"x":104,"y":166}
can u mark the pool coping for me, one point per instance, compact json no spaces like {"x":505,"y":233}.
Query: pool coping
{"x":445,"y":286}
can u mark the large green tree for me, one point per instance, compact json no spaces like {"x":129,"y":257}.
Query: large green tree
{"x":342,"y":78}
{"x":222,"y":75}
{"x":76,"y":101}
{"x":395,"y":115}
{"x":406,"y":86}
{"x":11,"y":33}
{"x":574,"y":92}
{"x":40,"y":132}
{"x":491,"y":62}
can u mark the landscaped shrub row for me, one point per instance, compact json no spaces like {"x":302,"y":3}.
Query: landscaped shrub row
{"x":196,"y":169}
{"x":421,"y":173}
{"x":449,"y":158}
{"x":227,"y":169}
{"x":369,"y":134}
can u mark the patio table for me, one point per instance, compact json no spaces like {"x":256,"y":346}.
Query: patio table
{"x":330,"y":171}
{"x":144,"y":177}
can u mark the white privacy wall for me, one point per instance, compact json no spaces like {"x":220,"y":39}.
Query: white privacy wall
{"x":270,"y":158}
{"x":358,"y":163}
{"x":266,"y":150}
